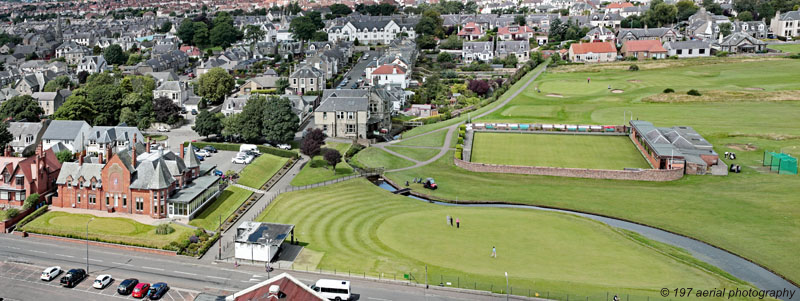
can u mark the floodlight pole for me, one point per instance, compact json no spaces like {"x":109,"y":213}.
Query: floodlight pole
{"x":506,"y":286}
{"x":87,"y":244}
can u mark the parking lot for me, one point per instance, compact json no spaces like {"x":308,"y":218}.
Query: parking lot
{"x":26,"y":285}
{"x":222,"y":159}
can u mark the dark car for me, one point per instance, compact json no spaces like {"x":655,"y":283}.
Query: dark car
{"x":199,"y":157}
{"x":210,"y":148}
{"x":73,"y":277}
{"x":354,"y":86}
{"x":218,"y":173}
{"x":127,"y":285}
{"x":157,"y":290}
{"x":194,"y":112}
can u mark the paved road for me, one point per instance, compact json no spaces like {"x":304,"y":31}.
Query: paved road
{"x":22,"y":259}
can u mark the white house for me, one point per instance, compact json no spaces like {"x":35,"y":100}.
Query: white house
{"x":92,"y":64}
{"x":260,"y":241}
{"x":786,"y":24}
{"x":176,"y":91}
{"x":478,"y":51}
{"x":66,"y":134}
{"x":370,"y":31}
{"x":389,"y":75}
{"x":687,"y":49}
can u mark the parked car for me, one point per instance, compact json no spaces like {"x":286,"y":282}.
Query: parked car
{"x":360,"y":80}
{"x":204,"y":153}
{"x":157,"y":291}
{"x":354,"y":86}
{"x":73,"y":277}
{"x":248,"y":147}
{"x":210,"y":148}
{"x":284,"y":146}
{"x":252,"y":154}
{"x":102,"y":281}
{"x":140,"y":291}
{"x":163,"y":129}
{"x":194,"y":112}
{"x":239,"y":160}
{"x":126,"y":286}
{"x":51,"y":273}
{"x":218,"y":173}
{"x":199,"y":157}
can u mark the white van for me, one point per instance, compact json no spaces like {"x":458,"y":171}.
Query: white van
{"x":333,"y":289}
{"x":249,"y":147}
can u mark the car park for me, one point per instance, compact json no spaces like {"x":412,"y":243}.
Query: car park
{"x":210,"y":148}
{"x":203,"y":153}
{"x":157,"y":291}
{"x":102,"y":281}
{"x":140,"y":291}
{"x":73,"y":277}
{"x":126,"y":286}
{"x":51,"y":273}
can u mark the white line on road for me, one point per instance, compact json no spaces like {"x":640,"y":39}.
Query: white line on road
{"x":379,"y":299}
{"x":62,"y":255}
{"x":151,"y":268}
{"x":185,"y":273}
{"x":120,"y":263}
{"x":215,"y":277}
{"x":35,"y":251}
{"x":92,"y":259}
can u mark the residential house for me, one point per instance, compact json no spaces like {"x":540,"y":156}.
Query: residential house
{"x":593,"y":52}
{"x":34,"y":82}
{"x":114,"y":137}
{"x":176,"y":91}
{"x":282,"y":286}
{"x":66,"y":134}
{"x":389,"y":75}
{"x":72,"y":52}
{"x":786,"y":24}
{"x":521,"y":49}
{"x":306,"y":78}
{"x":191,"y":51}
{"x":705,"y":25}
{"x":515,"y":32}
{"x":688,"y":49}
{"x":756,"y":29}
{"x":422,"y":110}
{"x":93,"y":64}
{"x":643,"y":49}
{"x":303,"y":105}
{"x":355,"y":113}
{"x":51,"y":101}
{"x":9,"y":77}
{"x":373,"y":30}
{"x":7,"y":93}
{"x":616,"y":7}
{"x":25,"y":176}
{"x":470,"y":32}
{"x":739,"y":42}
{"x":600,"y":34}
{"x":26,"y":134}
{"x":477,"y":51}
{"x":234,"y":105}
{"x":608,"y":19}
{"x":260,"y":83}
{"x":660,"y":34}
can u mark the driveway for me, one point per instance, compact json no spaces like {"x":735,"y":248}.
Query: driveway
{"x":222,"y":159}
{"x":360,"y":67}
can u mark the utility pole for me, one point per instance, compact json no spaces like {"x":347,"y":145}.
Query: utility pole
{"x":87,"y":245}
{"x":506,"y":286}
{"x":219,"y":245}
{"x":426,"y":276}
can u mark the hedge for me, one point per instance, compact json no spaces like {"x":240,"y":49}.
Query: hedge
{"x":207,"y":245}
{"x":32,"y":216}
{"x":458,"y":155}
{"x":235,"y":148}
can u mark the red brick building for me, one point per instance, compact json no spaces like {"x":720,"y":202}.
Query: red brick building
{"x":25,"y":176}
{"x":133,"y":181}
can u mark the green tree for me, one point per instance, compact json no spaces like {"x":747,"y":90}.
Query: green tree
{"x":64,"y":155}
{"x":333,"y":157}
{"x":186,"y":31}
{"x":510,"y":61}
{"x":745,"y":16}
{"x":320,"y":36}
{"x":5,"y":135}
{"x":280,"y":122}
{"x":96,"y":50}
{"x":165,"y":27}
{"x":165,"y":110}
{"x":519,"y":20}
{"x":430,"y":24}
{"x":231,"y":125}
{"x":207,"y":124}
{"x":340,"y":10}
{"x":215,"y":84}
{"x":661,"y":14}
{"x":224,"y":34}
{"x":426,"y":42}
{"x":75,"y":108}
{"x":201,"y":35}
{"x":58,"y":83}
{"x":114,"y":55}
{"x":302,"y":28}
{"x":30,"y":201}
{"x":444,"y":57}
{"x":21,"y":107}
{"x":725,"y":29}
{"x":253,"y":33}
{"x":452,"y":42}
{"x":282,"y":84}
{"x":686,"y":9}
{"x":251,"y":121}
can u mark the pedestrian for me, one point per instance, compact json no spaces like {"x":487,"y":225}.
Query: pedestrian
{"x":448,"y":220}
{"x":451,"y":221}
{"x":406,"y":183}
{"x":458,"y":223}
{"x":588,"y":80}
{"x":609,"y":87}
{"x":494,"y":252}
{"x":616,"y":298}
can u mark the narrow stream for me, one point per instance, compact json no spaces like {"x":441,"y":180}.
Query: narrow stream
{"x":733,"y":264}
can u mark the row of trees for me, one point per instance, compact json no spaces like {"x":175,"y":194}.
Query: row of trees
{"x":309,"y":27}
{"x":204,"y":32}
{"x":430,"y":26}
{"x":561,"y":31}
{"x":757,"y":9}
{"x":270,"y":118}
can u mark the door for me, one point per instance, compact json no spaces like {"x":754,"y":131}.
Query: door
{"x":116,"y":200}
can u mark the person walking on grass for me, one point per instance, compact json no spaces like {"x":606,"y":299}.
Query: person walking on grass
{"x":448,"y":220}
{"x":588,"y":80}
{"x":494,"y":252}
{"x":451,"y":221}
{"x":458,"y":223}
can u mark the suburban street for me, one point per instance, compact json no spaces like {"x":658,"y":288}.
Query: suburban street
{"x":23,"y":259}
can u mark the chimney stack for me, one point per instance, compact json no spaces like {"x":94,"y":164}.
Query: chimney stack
{"x":147,"y":146}
{"x":100,"y":158}
{"x":133,"y":151}
{"x":80,"y":157}
{"x":7,"y":151}
{"x":182,"y":150}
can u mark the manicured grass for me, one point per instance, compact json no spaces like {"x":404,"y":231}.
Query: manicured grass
{"x":358,"y":227}
{"x":317,"y":170}
{"x":261,"y":170}
{"x":376,"y":157}
{"x":752,"y":214}
{"x":156,"y":137}
{"x":791,"y":48}
{"x":228,"y":201}
{"x":432,"y":139}
{"x":109,"y":229}
{"x":594,"y":103}
{"x":420,"y":154}
{"x":573,"y":151}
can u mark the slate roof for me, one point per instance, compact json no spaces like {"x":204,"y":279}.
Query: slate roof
{"x":120,"y":134}
{"x":74,"y":171}
{"x":190,"y":158}
{"x":348,"y":100}
{"x":737,"y":38}
{"x":790,"y":16}
{"x":306,"y":71}
{"x":64,"y":129}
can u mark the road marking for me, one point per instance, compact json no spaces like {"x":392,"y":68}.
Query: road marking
{"x":151,"y":268}
{"x":62,"y":255}
{"x":98,"y":260}
{"x":35,"y":251}
{"x":185,"y":273}
{"x":215,"y":277}
{"x":120,"y":263}
{"x":251,"y":280}
{"x":379,"y":299}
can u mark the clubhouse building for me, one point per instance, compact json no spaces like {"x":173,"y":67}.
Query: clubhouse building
{"x":678,"y":147}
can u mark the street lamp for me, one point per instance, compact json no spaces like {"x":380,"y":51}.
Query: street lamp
{"x":506,"y":286}
{"x":87,"y":244}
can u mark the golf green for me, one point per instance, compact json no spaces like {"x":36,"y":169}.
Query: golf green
{"x":557,"y":150}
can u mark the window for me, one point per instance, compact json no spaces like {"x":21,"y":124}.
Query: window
{"x":702,"y":51}
{"x":339,"y":115}
{"x":20,"y":195}
{"x":108,"y":199}
{"x":324,"y":115}
{"x":302,"y":81}
{"x":78,"y":198}
{"x":679,"y":51}
{"x":124,"y":201}
{"x":310,"y":81}
{"x":4,"y":195}
{"x":351,"y":115}
{"x":139,"y":204}
{"x":92,"y":199}
{"x":294,"y":82}
{"x":19,"y":181}
{"x":351,"y":128}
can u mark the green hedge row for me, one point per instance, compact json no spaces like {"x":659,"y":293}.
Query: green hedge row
{"x":235,"y":148}
{"x":32,"y":216}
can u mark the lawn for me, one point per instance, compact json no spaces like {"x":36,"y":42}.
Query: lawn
{"x":109,"y":229}
{"x":261,"y":170}
{"x":317,"y":170}
{"x":573,"y":151}
{"x":791,"y":48}
{"x":156,"y":137}
{"x":357,"y":227}
{"x":375,"y":157}
{"x":228,"y":201}
{"x":419,"y":154}
{"x":432,"y":139}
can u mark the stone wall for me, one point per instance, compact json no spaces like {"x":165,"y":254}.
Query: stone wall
{"x":658,"y":175}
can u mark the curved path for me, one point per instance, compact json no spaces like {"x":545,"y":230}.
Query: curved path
{"x":451,"y":129}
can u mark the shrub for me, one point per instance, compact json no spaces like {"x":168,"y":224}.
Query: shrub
{"x":462,"y":133}
{"x":460,"y":140}
{"x":12,"y":213}
{"x":31,"y":201}
{"x":32,"y":216}
{"x":462,"y":127}
{"x":459,"y":154}
{"x":353,"y":150}
{"x":669,"y":90}
{"x":693,"y":92}
{"x":722,"y":54}
{"x":633,"y":67}
{"x":164,"y":229}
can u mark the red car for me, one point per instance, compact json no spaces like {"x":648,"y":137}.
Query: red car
{"x":140,"y":291}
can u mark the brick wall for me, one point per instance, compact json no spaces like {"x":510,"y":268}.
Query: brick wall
{"x":4,"y":225}
{"x":643,"y":175}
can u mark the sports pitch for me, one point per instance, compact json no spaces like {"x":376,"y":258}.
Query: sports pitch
{"x":554,"y":150}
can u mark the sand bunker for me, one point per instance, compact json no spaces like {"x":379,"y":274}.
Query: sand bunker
{"x":634,"y":80}
{"x":754,"y":89}
{"x":617,"y":91}
{"x":555,"y":95}
{"x":742,"y":147}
